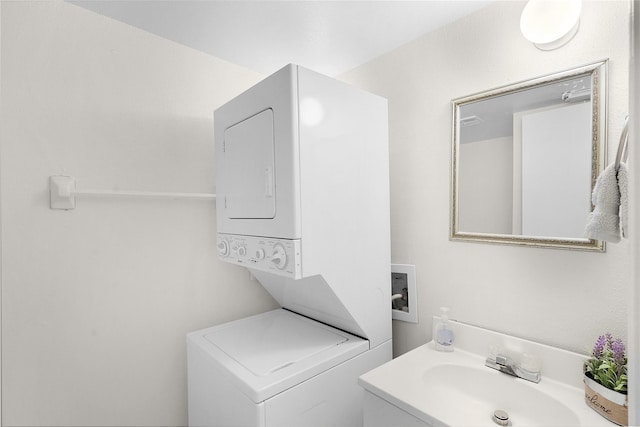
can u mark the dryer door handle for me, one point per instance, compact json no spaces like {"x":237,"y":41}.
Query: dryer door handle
{"x":268,"y":182}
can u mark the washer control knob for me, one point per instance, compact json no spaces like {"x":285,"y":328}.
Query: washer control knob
{"x":260,"y":254}
{"x":242,"y":251}
{"x":279,"y":257}
{"x":223,"y":248}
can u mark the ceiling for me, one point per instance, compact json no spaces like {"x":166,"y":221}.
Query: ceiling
{"x":492,"y":116}
{"x":330,"y":37}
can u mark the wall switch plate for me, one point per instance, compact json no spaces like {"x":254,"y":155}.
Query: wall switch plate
{"x":404,"y":303}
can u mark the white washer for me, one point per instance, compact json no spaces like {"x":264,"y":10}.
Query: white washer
{"x":277,"y":369}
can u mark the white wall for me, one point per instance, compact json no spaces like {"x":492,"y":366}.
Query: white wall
{"x":485,"y":186}
{"x":564,"y":298}
{"x":96,"y":302}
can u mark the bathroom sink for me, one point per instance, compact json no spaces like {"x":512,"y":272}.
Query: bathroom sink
{"x":481,"y":391}
{"x":429,"y":388}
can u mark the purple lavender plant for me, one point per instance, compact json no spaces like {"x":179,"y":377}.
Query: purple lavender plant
{"x":608,"y":366}
{"x":618,"y":352}
{"x":598,"y":349}
{"x":609,"y":338}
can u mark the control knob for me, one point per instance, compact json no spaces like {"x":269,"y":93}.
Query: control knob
{"x":279,"y":257}
{"x":223,"y":248}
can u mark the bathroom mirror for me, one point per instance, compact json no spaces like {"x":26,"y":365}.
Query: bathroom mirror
{"x":525,"y":158}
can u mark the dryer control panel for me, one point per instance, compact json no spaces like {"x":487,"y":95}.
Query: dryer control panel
{"x":277,"y":256}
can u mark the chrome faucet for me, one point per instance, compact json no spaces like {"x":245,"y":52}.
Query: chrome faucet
{"x":504,"y":364}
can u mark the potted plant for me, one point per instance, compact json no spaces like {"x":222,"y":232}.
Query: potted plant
{"x":605,"y":379}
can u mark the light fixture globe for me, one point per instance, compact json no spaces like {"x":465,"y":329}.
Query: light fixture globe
{"x":549,"y":24}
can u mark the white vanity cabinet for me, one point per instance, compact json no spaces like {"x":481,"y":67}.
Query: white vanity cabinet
{"x":380,"y":413}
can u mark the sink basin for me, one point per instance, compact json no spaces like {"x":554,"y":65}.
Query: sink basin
{"x":429,"y":388}
{"x":480,"y":391}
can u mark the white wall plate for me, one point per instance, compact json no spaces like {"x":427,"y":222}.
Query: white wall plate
{"x":403,"y":281}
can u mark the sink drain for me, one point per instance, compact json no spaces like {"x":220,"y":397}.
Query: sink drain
{"x":500,"y":417}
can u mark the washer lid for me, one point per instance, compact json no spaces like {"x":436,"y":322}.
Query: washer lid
{"x":273,"y":351}
{"x":268,"y":344}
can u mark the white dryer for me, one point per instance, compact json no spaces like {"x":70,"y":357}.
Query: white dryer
{"x":303,"y":202}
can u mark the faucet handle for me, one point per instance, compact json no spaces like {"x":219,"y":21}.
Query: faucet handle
{"x":502,"y":360}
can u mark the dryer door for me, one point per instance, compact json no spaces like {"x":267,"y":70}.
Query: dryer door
{"x":249,"y":164}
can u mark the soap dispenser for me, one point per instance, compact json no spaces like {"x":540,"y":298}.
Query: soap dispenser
{"x":443,"y":335}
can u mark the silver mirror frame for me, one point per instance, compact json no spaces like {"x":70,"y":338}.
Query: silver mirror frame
{"x":598,"y":73}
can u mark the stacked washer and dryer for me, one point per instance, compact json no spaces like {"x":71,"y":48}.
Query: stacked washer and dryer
{"x":302,"y":179}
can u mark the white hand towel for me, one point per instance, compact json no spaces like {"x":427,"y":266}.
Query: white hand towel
{"x":624,"y":199}
{"x":604,"y":223}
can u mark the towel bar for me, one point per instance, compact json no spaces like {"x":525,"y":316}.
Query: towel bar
{"x":623,"y":151}
{"x":63,"y":192}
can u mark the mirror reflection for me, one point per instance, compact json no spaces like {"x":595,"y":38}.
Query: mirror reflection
{"x":525,"y":159}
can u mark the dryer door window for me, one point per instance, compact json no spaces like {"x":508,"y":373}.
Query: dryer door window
{"x":249,"y":168}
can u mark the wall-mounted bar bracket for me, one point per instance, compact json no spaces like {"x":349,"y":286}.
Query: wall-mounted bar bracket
{"x":63,"y":193}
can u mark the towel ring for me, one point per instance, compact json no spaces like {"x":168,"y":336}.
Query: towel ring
{"x":623,"y":152}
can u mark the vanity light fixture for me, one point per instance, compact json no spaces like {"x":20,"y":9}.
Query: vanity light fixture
{"x":470,"y":121}
{"x":550,"y":24}
{"x":576,"y":95}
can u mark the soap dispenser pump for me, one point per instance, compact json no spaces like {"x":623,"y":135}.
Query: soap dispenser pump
{"x":443,"y":336}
